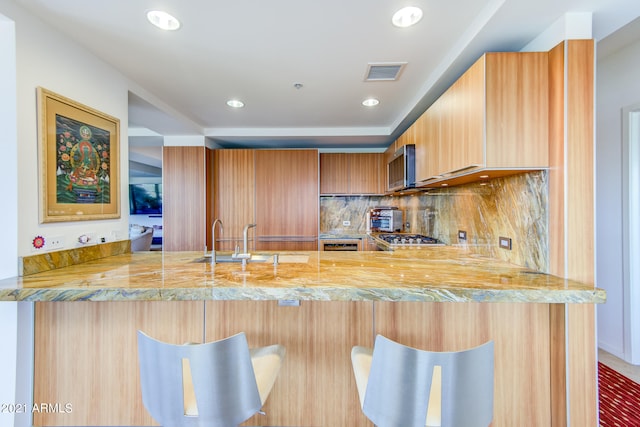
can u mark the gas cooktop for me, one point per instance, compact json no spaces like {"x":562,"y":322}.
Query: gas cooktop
{"x":404,"y":239}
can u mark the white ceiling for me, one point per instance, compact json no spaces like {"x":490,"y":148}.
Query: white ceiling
{"x":256,"y":50}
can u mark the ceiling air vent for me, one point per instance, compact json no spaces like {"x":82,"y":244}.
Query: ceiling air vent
{"x":384,"y":71}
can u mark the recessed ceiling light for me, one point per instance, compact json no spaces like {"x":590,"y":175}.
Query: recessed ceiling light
{"x":370,"y":102}
{"x":163,"y":20}
{"x":234,"y":103}
{"x":407,"y":16}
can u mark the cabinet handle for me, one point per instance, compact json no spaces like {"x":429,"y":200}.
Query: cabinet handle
{"x":449,"y":173}
{"x":457,"y":171}
{"x":431,"y":178}
{"x":287,"y":238}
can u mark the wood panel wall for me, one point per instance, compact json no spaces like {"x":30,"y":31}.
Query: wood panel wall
{"x":86,"y":355}
{"x":571,"y":229}
{"x":183,"y":208}
{"x":316,"y":385}
{"x":521,"y":338}
{"x":580,"y":226}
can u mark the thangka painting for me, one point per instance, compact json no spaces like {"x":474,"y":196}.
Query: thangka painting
{"x":79,"y":161}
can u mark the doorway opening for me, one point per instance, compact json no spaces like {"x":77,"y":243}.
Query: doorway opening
{"x":631,"y":231}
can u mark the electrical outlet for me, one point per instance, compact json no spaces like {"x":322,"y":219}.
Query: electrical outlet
{"x":87,"y":239}
{"x":505,"y":242}
{"x":462,"y":235}
{"x":51,"y":243}
{"x":346,"y":223}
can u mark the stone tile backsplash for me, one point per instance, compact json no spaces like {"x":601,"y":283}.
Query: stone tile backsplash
{"x":514,"y":207}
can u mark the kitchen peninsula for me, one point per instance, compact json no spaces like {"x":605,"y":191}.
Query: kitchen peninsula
{"x":317,"y":304}
{"x":438,"y":274}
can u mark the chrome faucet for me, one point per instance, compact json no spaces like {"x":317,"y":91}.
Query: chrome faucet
{"x":245,"y":232}
{"x":245,"y":255}
{"x":213,"y":238}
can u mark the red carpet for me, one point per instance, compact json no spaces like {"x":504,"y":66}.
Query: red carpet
{"x":619,"y":399}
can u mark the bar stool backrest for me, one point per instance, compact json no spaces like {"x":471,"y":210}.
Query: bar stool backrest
{"x":399,"y":385}
{"x":222,"y":375}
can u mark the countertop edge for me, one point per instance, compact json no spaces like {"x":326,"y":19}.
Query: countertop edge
{"x":459,"y":295}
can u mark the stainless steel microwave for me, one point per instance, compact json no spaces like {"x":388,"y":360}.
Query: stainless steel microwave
{"x":401,"y":169}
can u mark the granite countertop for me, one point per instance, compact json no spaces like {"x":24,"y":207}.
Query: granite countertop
{"x":429,"y":274}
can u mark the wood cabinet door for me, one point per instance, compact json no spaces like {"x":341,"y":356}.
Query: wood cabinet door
{"x":234,"y":195}
{"x":469,"y":106}
{"x":287,"y":194}
{"x":461,"y":123}
{"x":366,"y":173}
{"x":427,"y":144}
{"x":334,"y":173}
{"x":517,"y":109}
{"x":183,"y":210}
{"x":389,"y":152}
{"x":446,"y":151}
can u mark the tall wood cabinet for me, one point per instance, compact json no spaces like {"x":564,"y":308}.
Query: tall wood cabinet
{"x":184,"y":210}
{"x":493,"y":121}
{"x":352,"y":173}
{"x":287,"y":200}
{"x":234,"y":196}
{"x":275,"y":189}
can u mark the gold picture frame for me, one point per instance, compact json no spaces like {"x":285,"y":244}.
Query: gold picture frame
{"x":79,"y":160}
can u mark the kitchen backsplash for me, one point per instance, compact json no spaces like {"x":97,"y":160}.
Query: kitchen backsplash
{"x":514,"y":207}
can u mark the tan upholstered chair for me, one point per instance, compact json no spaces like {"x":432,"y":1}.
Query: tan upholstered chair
{"x":216,"y":384}
{"x":404,"y":386}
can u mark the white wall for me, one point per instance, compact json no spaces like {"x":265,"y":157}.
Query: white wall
{"x":32,"y":55}
{"x":617,"y":86}
{"x":9,"y":213}
{"x":48,"y":59}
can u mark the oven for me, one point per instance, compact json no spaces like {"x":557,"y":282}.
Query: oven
{"x":341,"y":245}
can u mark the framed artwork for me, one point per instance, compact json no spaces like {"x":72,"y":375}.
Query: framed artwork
{"x":79,"y":160}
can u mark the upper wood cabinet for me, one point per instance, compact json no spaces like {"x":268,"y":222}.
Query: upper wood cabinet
{"x":287,"y":199}
{"x":234,"y":196}
{"x":426,"y":147}
{"x":334,"y":173}
{"x":352,"y":173}
{"x":366,"y":173}
{"x":493,"y":121}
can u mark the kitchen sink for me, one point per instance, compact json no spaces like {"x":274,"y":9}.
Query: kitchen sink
{"x":258,"y":258}
{"x":230,"y":258}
